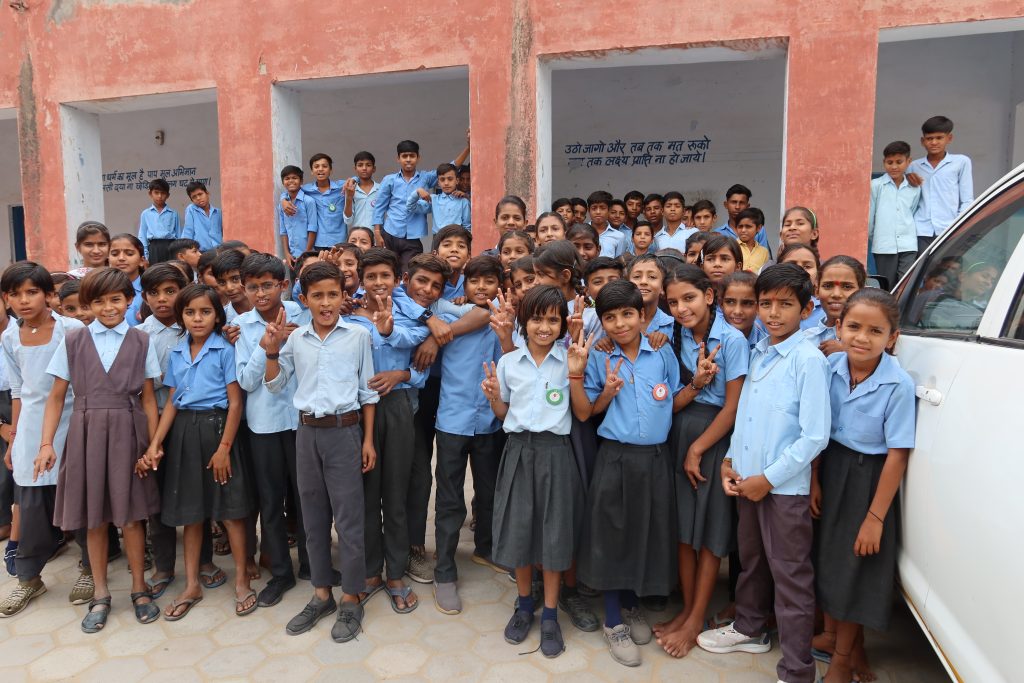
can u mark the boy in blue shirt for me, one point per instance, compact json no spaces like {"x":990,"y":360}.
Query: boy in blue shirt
{"x":892,"y":232}
{"x":158,"y":224}
{"x":948,"y":183}
{"x":782,"y":424}
{"x":203,"y":223}
{"x":361,"y":192}
{"x":444,"y":208}
{"x":612,"y":242}
{"x":329,"y":200}
{"x":737,"y":200}
{"x":297,"y":228}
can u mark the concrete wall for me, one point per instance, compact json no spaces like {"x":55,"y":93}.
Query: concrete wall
{"x":737,"y":105}
{"x":10,"y":184}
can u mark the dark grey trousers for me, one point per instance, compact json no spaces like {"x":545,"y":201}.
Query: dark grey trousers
{"x":894,"y":266}
{"x":924,"y":242}
{"x":421,"y":477}
{"x":329,"y":467}
{"x":454,"y":451}
{"x":39,"y":536}
{"x":404,"y":248}
{"x":386,"y":486}
{"x":6,"y":476}
{"x":775,"y":546}
{"x":273,"y":471}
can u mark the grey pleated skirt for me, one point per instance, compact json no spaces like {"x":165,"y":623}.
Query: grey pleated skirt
{"x":705,"y":515}
{"x":538,"y":502}
{"x":851,"y":588}
{"x":629,"y":531}
{"x":190,"y":493}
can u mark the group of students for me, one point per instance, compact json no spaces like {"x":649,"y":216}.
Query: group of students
{"x":641,"y":409}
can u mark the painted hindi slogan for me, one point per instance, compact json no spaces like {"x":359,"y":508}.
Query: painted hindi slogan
{"x":619,"y":153}
{"x":125,"y":181}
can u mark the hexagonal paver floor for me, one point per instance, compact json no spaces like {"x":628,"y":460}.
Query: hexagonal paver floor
{"x":45,"y":643}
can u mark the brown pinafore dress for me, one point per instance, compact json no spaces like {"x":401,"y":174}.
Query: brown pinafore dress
{"x":97,"y":483}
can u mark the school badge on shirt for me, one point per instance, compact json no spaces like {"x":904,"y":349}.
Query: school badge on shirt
{"x":554,"y":396}
{"x":659,"y":392}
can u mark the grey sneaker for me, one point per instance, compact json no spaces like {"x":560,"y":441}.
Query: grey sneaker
{"x":621,"y":646}
{"x":349,"y":623}
{"x":580,"y":614}
{"x":19,"y":598}
{"x":639,"y":629}
{"x":314,"y":610}
{"x":728,"y":639}
{"x":518,"y":626}
{"x":84,"y":588}
{"x":420,"y":568}
{"x":551,"y":642}
{"x":446,"y":598}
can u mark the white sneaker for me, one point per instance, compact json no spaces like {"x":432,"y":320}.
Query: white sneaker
{"x":639,"y":629}
{"x":728,"y":639}
{"x":621,"y":646}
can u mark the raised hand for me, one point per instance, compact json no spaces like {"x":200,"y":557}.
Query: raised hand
{"x":490,"y":385}
{"x":383,"y":318}
{"x":349,"y":187}
{"x":579,"y":352}
{"x":503,"y":315}
{"x":576,"y":319}
{"x":275,"y":334}
{"x":706,"y":366}
{"x":612,"y":382}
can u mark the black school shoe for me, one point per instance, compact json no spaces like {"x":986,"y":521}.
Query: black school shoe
{"x":314,"y":610}
{"x":518,"y":626}
{"x":274,"y":591}
{"x":349,"y":623}
{"x":551,"y":642}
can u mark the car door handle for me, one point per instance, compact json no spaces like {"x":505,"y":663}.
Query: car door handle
{"x":933,"y":396}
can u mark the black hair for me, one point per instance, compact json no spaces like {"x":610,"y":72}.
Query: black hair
{"x":937,"y":124}
{"x":519,"y":235}
{"x":101,"y":281}
{"x":449,"y":231}
{"x":128,"y":237}
{"x":673,"y":195}
{"x":698,"y":237}
{"x":510,"y":199}
{"x":698,"y":279}
{"x":785,"y":276}
{"x":740,"y":277}
{"x":186,"y":269}
{"x":463,"y":169}
{"x":322,"y":270}
{"x":363,"y":156}
{"x":880,"y":299}
{"x":644,"y":224}
{"x":429,"y":263}
{"x":809,"y":215}
{"x":206,"y":259}
{"x":617,"y":202}
{"x":716,"y":242}
{"x":523,"y":263}
{"x":257,"y":264}
{"x":859,"y":273}
{"x":368,"y":231}
{"x":377,"y":256}
{"x":91,"y":228}
{"x":560,"y":202}
{"x":539,"y":300}
{"x":618,"y":294}
{"x":648,"y":258}
{"x":482,"y":266}
{"x":739,"y":189}
{"x":550,"y":214}
{"x":233,"y":244}
{"x":318,"y":156}
{"x":291,"y":170}
{"x":227,"y":260}
{"x":633,"y":194}
{"x":181,"y":244}
{"x":579,"y":201}
{"x":193,"y":186}
{"x":599,"y":197}
{"x":60,"y":277}
{"x":195,"y":291}
{"x":447,"y":168}
{"x":160,"y":273}
{"x":602,"y":263}
{"x":753,"y":213}
{"x":303,"y":257}
{"x":159,"y":184}
{"x":583,"y":230}
{"x":407,"y":146}
{"x":69,"y":288}
{"x":897,"y":147}
{"x":560,"y":255}
{"x":704,"y":205}
{"x":16,"y":274}
{"x":654,"y":197}
{"x":797,"y":246}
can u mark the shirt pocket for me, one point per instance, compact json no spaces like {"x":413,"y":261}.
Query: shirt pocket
{"x":866,"y":428}
{"x":555,"y":395}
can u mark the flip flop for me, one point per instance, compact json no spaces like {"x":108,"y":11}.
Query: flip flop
{"x":821,"y":655}
{"x":157,"y":588}
{"x":95,"y":621}
{"x":240,"y":602}
{"x":187,"y":603}
{"x":402,"y":592}
{"x":147,"y":612}
{"x":370,"y":591}
{"x":211,"y":575}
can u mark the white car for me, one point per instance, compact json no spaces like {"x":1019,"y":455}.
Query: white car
{"x":962,"y":322}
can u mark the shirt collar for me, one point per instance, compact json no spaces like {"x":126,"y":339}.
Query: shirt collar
{"x":885,"y":373}
{"x":644,"y":346}
{"x":214,"y":341}
{"x":373,"y":189}
{"x":557,"y":351}
{"x":96,"y":327}
{"x":342,"y":324}
{"x":783,"y":348}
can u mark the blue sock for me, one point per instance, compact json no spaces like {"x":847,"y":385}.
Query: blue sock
{"x":549,"y":614}
{"x":628,"y":599}
{"x":526,"y":603}
{"x":612,"y":609}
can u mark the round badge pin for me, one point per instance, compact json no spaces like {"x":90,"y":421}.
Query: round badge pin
{"x":332,"y":208}
{"x":659,"y":392}
{"x":555,"y":396}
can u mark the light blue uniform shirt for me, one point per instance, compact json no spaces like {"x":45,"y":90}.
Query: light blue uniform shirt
{"x":462,"y":408}
{"x":107,"y":341}
{"x":158,"y":225}
{"x":298,"y":227}
{"x":208,"y":230}
{"x":362,"y":207}
{"x":393,"y":200}
{"x":661,"y":322}
{"x":131,"y":316}
{"x":265,"y":412}
{"x":815,"y":318}
{"x":395,"y":351}
{"x":163,"y":338}
{"x":201,"y":384}
{"x":761,"y":237}
{"x":31,"y":383}
{"x":783,"y":419}
{"x":948,"y":189}
{"x":756,"y":335}
{"x":663,"y":240}
{"x":445,"y":209}
{"x":820,"y":333}
{"x":891,"y":226}
{"x":330,"y":223}
{"x":732,"y":359}
{"x":612,"y":242}
{"x":332,"y":373}
{"x":537,"y":396}
{"x":879,"y":414}
{"x":635,"y":416}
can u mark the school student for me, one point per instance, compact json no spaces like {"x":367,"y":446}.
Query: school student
{"x":806,"y":256}
{"x":332,"y":363}
{"x":158,"y":223}
{"x":444,"y":208}
{"x":611,"y":241}
{"x":203,"y":222}
{"x":647,"y":273}
{"x":110,"y":367}
{"x":739,"y":305}
{"x":186,"y":250}
{"x":737,"y":200}
{"x":126,"y":254}
{"x":298,"y":228}
{"x":673,"y":233}
{"x":750,"y":224}
{"x":329,"y":199}
{"x":782,"y":424}
{"x":92,"y":242}
{"x":892,"y":230}
{"x":839,"y":277}
{"x":720,"y":257}
{"x":361,"y":193}
{"x":550,"y":227}
{"x":946,"y":179}
{"x":227,"y":269}
{"x":538,"y":504}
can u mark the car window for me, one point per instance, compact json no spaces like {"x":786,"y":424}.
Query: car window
{"x":1015,"y":323}
{"x":950,"y":290}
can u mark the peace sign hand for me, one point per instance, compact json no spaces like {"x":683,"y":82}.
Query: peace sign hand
{"x":579,"y":352}
{"x":576,"y":319}
{"x":612,"y":383}
{"x":490,"y":385}
{"x":275,"y":334}
{"x":706,"y":367}
{"x":383,"y":318}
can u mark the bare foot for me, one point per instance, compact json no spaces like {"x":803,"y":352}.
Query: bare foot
{"x":824,"y":641}
{"x":673,"y":624}
{"x":839,"y":671}
{"x":680,"y":641}
{"x":252,"y":569}
{"x":725,"y":616}
{"x":859,"y":662}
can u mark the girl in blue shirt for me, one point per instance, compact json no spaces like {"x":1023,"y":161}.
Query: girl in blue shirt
{"x":713,"y":359}
{"x":204,"y":478}
{"x":838,"y":278}
{"x":853,"y":490}
{"x":538,"y":501}
{"x":720,"y":257}
{"x":126,"y":254}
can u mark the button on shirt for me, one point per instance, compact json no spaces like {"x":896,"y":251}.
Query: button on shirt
{"x":677,"y":240}
{"x":445,"y":209}
{"x":462,"y":408}
{"x":163,"y":338}
{"x":362,"y":206}
{"x":266,"y":412}
{"x":201,"y":384}
{"x":158,"y":225}
{"x":107,"y":341}
{"x":537,"y":396}
{"x":635,"y":416}
{"x":393,"y":199}
{"x":879,"y":414}
{"x":891,"y":225}
{"x":298,"y":227}
{"x":948,"y":189}
{"x":783,"y":418}
{"x":732,"y":359}
{"x":207,"y":229}
{"x":330,"y":222}
{"x":332,"y":374}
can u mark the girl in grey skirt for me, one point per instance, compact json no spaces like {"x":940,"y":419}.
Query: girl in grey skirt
{"x":713,"y":358}
{"x":853,"y":489}
{"x":538,"y":498}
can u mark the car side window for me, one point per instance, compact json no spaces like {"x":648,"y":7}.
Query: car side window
{"x":950,"y":290}
{"x":1015,"y":323}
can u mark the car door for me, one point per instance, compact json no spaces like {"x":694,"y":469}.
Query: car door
{"x":957,"y":307}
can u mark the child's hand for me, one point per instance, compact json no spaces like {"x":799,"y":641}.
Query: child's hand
{"x":691,"y":466}
{"x":232,"y":333}
{"x":141,"y":468}
{"x":730,"y":478}
{"x":289,"y":328}
{"x":386,"y":380}
{"x":382,"y":317}
{"x":869,"y":538}
{"x":576,"y":319}
{"x":831,"y":346}
{"x":289,"y":259}
{"x":657,"y":340}
{"x":914,"y":179}
{"x":490,"y":386}
{"x":612,"y":382}
{"x":288,"y":207}
{"x":369,"y":456}
{"x":423,"y":193}
{"x":441,"y":331}
{"x":754,"y":489}
{"x":152,"y":457}
{"x":815,"y":494}
{"x":350,"y":187}
{"x":604,"y":344}
{"x":44,"y":461}
{"x":220,"y":463}
{"x":347,"y":304}
{"x":502,"y":316}
{"x":426,"y":354}
{"x":706,"y":367}
{"x":579,"y":352}
{"x":459,"y":300}
{"x":274,"y":336}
